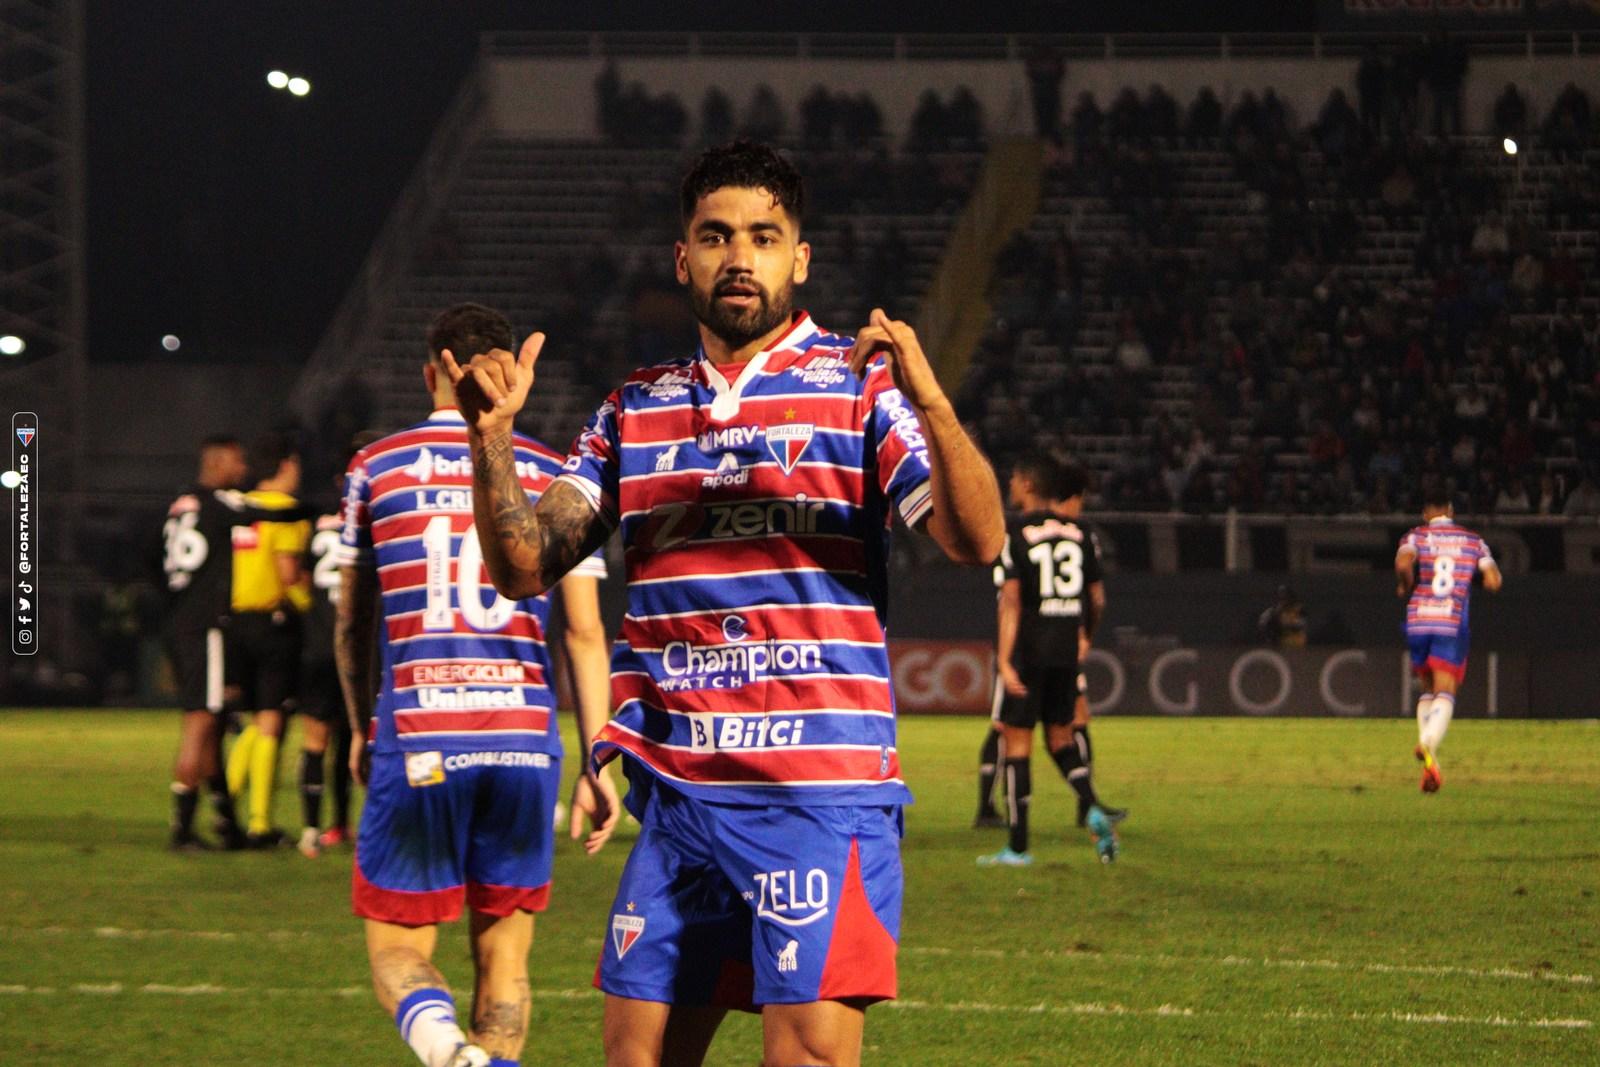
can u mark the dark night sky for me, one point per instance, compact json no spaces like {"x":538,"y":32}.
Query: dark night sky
{"x":235,"y":216}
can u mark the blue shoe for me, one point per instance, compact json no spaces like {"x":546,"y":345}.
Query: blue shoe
{"x":1105,"y":838}
{"x":1006,"y":858}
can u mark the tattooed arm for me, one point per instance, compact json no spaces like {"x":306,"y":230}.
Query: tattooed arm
{"x":354,"y":641}
{"x":531,"y":547}
{"x":526,"y":549}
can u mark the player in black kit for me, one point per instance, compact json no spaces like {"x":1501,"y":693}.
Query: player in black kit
{"x":1051,"y":599}
{"x":199,"y":566}
{"x":324,"y":723}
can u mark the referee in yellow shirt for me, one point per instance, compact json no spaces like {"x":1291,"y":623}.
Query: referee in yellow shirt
{"x":271,"y":590}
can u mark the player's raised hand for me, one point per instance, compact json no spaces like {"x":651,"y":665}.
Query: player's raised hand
{"x":908,"y":365}
{"x":494,"y":385}
{"x":594,"y":799}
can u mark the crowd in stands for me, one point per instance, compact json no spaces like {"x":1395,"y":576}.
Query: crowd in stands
{"x":1317,"y":388}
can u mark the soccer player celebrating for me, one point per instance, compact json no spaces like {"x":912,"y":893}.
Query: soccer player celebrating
{"x":465,"y":759}
{"x":1050,"y":603}
{"x":753,"y":483}
{"x":1434,"y":568}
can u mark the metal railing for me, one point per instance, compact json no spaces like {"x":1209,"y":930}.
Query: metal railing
{"x":1014,"y":47}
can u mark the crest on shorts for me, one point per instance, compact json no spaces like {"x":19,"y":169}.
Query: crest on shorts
{"x":625,"y":930}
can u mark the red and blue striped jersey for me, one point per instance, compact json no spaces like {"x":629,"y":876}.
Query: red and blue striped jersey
{"x":1447,"y":557}
{"x":463,"y":668}
{"x":755,"y":515}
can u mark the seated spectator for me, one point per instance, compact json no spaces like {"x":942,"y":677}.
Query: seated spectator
{"x":1511,"y":115}
{"x":1584,"y":501}
{"x":1205,"y":117}
{"x":1490,"y":238}
{"x":1513,"y":499}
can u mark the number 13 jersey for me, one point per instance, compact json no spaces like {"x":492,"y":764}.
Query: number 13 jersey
{"x":1055,"y":560}
{"x":463,"y":668}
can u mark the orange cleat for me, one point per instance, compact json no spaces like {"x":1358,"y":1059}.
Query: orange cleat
{"x":1432,"y":777}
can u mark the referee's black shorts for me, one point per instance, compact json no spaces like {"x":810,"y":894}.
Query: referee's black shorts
{"x":263,"y":649}
{"x":199,"y":663}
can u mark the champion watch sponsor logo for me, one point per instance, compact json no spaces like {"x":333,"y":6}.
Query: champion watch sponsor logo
{"x":625,"y":931}
{"x":691,"y":666}
{"x":788,"y":443}
{"x":733,"y":628}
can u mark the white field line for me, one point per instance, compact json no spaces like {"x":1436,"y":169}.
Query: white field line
{"x":1440,"y":971}
{"x":116,"y":933}
{"x":962,"y":1007}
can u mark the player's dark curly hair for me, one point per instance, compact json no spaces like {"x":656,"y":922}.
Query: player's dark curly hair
{"x":743,"y":165}
{"x":468,"y":330}
{"x":1042,"y":470}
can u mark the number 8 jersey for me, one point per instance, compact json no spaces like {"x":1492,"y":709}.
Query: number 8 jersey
{"x":1447,"y":557}
{"x":464,"y":669}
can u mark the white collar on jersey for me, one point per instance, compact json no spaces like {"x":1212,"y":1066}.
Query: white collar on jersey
{"x":726,"y":404}
{"x":447,"y":415}
{"x":1437,"y":519}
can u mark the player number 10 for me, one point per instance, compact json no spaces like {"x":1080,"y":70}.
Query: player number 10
{"x":469,"y":582}
{"x":1060,"y":568}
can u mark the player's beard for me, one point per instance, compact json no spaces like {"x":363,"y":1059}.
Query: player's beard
{"x":737,"y":327}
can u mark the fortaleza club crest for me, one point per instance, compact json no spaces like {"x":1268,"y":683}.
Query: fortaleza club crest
{"x":25,"y":435}
{"x":788,"y":442}
{"x":625,"y":930}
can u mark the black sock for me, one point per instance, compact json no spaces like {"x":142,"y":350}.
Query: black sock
{"x":341,"y":778}
{"x":221,"y":800}
{"x":311,"y":788}
{"x":1019,"y":788}
{"x":184,"y":801}
{"x":1075,"y":768}
{"x":988,"y":767}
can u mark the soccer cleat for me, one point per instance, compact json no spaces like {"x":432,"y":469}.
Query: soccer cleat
{"x":469,"y":1056}
{"x":989,"y":819}
{"x":264,"y":840}
{"x":188,"y":841}
{"x":228,"y":832}
{"x":1105,"y":838}
{"x":308,"y":844}
{"x":1114,"y":815}
{"x":1006,"y":858}
{"x":1432,"y":777}
{"x":333,"y":837}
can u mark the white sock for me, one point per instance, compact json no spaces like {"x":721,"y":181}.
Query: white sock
{"x":1444,"y":707}
{"x":427,"y":1021}
{"x":1424,"y":709}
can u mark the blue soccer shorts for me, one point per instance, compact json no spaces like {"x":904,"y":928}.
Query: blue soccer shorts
{"x":741,"y":906}
{"x":443,"y":828}
{"x":1438,"y":652}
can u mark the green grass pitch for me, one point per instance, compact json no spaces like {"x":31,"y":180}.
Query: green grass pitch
{"x":1285,"y":896}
